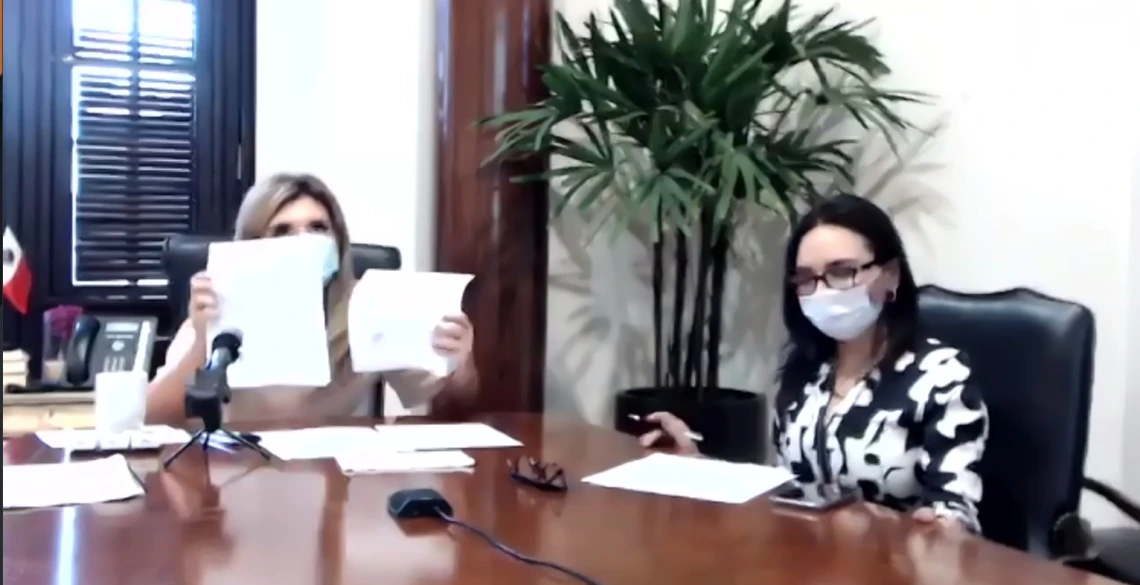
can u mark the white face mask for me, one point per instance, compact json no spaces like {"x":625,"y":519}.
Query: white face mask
{"x":842,"y":315}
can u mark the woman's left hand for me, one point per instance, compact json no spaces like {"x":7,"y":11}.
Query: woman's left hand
{"x":454,"y":338}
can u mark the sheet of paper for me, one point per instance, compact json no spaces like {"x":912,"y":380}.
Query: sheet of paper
{"x":436,"y":437}
{"x":392,"y":314}
{"x":271,"y":290}
{"x":148,"y":437}
{"x":693,"y":477}
{"x":57,"y":484}
{"x":322,"y":442}
{"x":364,"y":462}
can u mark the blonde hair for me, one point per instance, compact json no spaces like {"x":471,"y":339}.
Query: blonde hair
{"x":264,"y":200}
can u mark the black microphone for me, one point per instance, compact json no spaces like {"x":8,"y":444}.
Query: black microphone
{"x":224,"y":350}
{"x":209,"y":390}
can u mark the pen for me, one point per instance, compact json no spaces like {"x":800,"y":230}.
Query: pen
{"x":695,"y":437}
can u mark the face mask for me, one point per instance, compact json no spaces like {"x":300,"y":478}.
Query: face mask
{"x":842,"y":315}
{"x":331,"y":261}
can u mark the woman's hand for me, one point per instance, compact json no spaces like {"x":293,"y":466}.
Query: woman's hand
{"x":203,"y":302}
{"x":453,"y":339}
{"x":927,"y":516}
{"x":672,"y":427}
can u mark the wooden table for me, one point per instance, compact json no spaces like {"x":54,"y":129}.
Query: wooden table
{"x":305,"y":523}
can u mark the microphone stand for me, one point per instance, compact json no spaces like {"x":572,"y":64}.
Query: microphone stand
{"x":204,"y":399}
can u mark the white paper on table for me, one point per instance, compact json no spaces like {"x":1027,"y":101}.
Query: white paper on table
{"x":371,"y":461}
{"x":271,"y":290}
{"x":57,"y":484}
{"x":148,"y":437}
{"x":322,"y":442}
{"x":692,"y":477}
{"x":435,"y":437}
{"x":391,"y":317}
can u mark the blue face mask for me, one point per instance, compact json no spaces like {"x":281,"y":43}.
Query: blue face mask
{"x":332,"y":262}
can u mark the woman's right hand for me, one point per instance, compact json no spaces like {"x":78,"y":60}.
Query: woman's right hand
{"x":203,"y":302}
{"x":672,"y":427}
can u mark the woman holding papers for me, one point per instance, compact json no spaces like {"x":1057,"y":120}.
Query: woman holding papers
{"x":285,"y":205}
{"x":896,"y":413}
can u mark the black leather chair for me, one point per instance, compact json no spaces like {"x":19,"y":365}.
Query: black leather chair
{"x":1033,"y":357}
{"x":186,"y":255}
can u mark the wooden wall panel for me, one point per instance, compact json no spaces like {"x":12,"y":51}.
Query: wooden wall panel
{"x":489,"y":51}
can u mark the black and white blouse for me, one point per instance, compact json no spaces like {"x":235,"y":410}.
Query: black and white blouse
{"x":910,"y":435}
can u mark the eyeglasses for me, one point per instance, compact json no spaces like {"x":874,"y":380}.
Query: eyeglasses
{"x":839,"y":276}
{"x":548,"y":477}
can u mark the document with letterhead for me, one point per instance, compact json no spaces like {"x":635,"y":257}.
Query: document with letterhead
{"x":392,"y":316}
{"x":271,"y":290}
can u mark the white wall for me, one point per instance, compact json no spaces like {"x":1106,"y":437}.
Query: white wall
{"x":1132,"y":409}
{"x":345,"y":94}
{"x":1037,"y":185}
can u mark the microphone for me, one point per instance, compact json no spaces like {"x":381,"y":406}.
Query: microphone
{"x":224,"y":350}
{"x":208,"y":391}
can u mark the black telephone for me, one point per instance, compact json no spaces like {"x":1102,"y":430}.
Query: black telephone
{"x":108,"y":343}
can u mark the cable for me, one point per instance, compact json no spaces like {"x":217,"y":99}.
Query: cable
{"x":514,"y":554}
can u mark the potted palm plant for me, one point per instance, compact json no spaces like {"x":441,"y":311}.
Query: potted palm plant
{"x":687,"y":119}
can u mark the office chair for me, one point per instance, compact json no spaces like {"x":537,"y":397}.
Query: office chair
{"x":1032,"y":356}
{"x":185,"y":255}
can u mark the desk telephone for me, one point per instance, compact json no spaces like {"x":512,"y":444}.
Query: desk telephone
{"x":108,"y":343}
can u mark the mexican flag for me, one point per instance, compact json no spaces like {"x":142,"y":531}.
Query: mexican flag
{"x":17,"y":276}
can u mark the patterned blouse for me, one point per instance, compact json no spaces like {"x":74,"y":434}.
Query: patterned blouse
{"x":906,"y":437}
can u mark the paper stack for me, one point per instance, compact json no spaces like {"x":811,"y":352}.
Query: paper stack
{"x":15,"y":368}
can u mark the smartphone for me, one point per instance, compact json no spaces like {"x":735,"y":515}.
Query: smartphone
{"x":817,"y":497}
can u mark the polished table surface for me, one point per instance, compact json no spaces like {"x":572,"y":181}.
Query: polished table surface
{"x":249,"y":522}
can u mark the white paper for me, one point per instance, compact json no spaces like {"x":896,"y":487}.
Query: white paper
{"x":58,"y":484}
{"x":362,"y":462}
{"x":322,"y":442}
{"x":391,"y":317}
{"x":693,"y":477}
{"x":436,"y":437}
{"x":120,"y":401}
{"x":148,"y":437}
{"x":272,"y":291}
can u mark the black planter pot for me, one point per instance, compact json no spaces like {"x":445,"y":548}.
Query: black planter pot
{"x":734,"y":422}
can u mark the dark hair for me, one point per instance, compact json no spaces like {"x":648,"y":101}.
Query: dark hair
{"x":808,"y":347}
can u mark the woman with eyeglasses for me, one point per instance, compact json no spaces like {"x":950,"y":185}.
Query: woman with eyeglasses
{"x":864,"y":400}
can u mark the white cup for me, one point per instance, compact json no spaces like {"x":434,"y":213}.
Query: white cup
{"x":120,"y":401}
